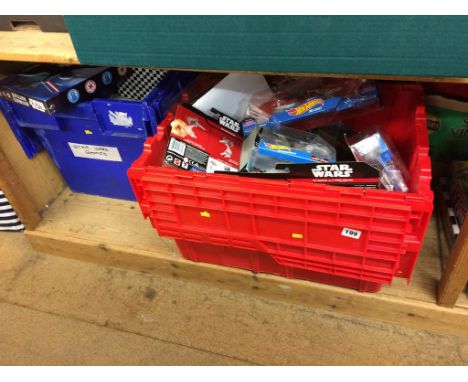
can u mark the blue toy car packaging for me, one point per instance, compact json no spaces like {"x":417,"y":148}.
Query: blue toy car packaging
{"x":295,"y":101}
{"x":281,"y":144}
{"x":51,"y":88}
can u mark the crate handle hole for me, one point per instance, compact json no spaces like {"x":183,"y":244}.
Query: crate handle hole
{"x":24,"y":25}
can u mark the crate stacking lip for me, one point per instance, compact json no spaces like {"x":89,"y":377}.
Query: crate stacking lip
{"x":300,"y":224}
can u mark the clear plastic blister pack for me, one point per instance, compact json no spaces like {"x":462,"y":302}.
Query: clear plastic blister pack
{"x":281,"y":144}
{"x":305,"y":103}
{"x":377,"y":150}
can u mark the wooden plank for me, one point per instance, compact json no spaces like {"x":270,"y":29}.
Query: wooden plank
{"x":37,"y":46}
{"x":30,"y":184}
{"x":455,"y":274}
{"x":63,"y":341}
{"x":112,"y":232}
{"x":447,"y":243}
{"x":370,"y":76}
{"x":204,"y":316}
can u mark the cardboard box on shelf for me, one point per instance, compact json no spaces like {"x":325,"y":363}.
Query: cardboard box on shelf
{"x":50,"y":88}
{"x":199,"y":143}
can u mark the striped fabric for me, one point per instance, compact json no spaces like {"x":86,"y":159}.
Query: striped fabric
{"x":8,"y":219}
{"x":455,"y":226}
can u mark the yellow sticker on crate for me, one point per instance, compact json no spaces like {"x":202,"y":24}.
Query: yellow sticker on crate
{"x":205,"y":214}
{"x":88,"y":132}
{"x":297,"y":236}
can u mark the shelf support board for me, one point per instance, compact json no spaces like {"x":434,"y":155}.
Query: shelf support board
{"x":455,"y":275}
{"x":37,"y":46}
{"x":79,"y":227}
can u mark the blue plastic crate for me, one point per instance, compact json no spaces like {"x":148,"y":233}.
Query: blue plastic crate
{"x":95,"y":142}
{"x":27,"y":138}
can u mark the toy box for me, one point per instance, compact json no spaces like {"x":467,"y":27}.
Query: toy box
{"x":351,"y":174}
{"x":447,"y":123}
{"x":281,"y":144}
{"x":49,"y":88}
{"x":296,"y":100}
{"x":200,"y":143}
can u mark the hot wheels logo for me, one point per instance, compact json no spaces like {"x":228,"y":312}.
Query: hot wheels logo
{"x":305,"y":107}
{"x":277,"y":147}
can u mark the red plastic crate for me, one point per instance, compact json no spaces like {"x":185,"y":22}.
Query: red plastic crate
{"x":264,"y":263}
{"x":296,"y":223}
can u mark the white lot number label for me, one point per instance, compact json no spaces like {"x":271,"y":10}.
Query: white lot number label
{"x":95,"y":152}
{"x":352,"y":233}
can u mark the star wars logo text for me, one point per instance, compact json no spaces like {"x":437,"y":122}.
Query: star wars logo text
{"x":229,"y":123}
{"x":332,"y":171}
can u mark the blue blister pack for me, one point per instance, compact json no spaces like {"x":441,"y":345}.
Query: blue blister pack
{"x":281,"y":144}
{"x":306,"y":109}
{"x":300,"y":100}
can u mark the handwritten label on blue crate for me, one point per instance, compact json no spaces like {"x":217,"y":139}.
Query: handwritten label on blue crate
{"x":352,"y":233}
{"x":95,"y":152}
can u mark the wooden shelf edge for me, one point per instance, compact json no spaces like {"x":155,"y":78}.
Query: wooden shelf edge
{"x":37,"y":46}
{"x":392,"y":309}
{"x":382,"y":77}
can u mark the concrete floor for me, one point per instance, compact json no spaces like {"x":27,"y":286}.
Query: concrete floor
{"x":56,"y":311}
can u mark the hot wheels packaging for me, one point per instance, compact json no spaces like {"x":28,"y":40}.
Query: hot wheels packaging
{"x":291,"y":100}
{"x":280,"y":144}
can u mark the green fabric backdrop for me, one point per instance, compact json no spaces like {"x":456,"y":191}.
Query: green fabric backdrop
{"x":392,"y":45}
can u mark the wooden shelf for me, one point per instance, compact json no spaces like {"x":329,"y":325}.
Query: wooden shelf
{"x":380,"y":77}
{"x":37,"y":46}
{"x":113,"y":232}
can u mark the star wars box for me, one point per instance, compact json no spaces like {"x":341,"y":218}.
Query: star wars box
{"x":349,"y":174}
{"x":200,"y":143}
{"x":49,"y":88}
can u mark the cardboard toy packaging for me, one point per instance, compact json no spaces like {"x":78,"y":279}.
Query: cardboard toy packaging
{"x":447,"y":122}
{"x":199,"y":143}
{"x":50,"y":88}
{"x":305,"y":103}
{"x":350,"y":174}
